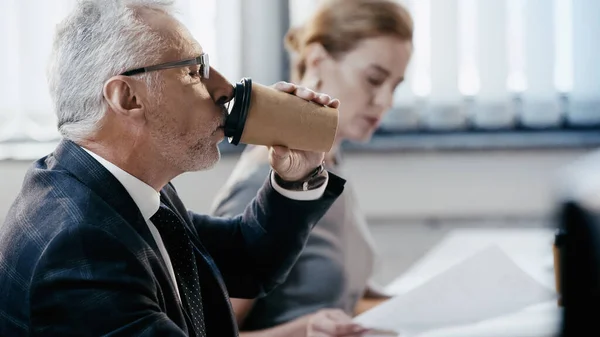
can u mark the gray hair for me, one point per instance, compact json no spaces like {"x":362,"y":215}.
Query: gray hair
{"x":98,"y":40}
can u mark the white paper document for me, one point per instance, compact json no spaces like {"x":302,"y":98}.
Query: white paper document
{"x":540,"y":320}
{"x":486,"y":285}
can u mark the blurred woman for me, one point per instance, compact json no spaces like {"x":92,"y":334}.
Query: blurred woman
{"x":356,"y":51}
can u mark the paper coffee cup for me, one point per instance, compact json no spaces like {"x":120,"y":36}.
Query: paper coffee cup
{"x":264,"y":116}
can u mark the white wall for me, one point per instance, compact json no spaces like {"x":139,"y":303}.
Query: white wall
{"x":413,"y":186}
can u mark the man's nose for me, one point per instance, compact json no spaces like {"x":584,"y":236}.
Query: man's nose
{"x":219,"y":88}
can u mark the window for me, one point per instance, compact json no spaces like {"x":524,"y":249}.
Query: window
{"x":25,"y":106}
{"x":508,"y":65}
{"x":27,"y":122}
{"x":479,"y":65}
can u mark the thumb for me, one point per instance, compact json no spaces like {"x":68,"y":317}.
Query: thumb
{"x":280,"y":152}
{"x":281,"y":160}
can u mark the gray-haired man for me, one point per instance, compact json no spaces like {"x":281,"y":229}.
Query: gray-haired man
{"x":98,"y":242}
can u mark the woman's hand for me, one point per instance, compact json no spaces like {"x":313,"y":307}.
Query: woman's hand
{"x":332,"y":323}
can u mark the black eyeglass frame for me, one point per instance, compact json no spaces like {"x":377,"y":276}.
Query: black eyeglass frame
{"x":201,"y":61}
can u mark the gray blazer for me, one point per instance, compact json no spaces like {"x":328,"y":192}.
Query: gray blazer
{"x":334,"y":268}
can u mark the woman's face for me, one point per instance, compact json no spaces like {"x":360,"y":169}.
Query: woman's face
{"x":364,"y":80}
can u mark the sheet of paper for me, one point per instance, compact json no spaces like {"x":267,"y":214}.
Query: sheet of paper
{"x":540,"y":320}
{"x":486,"y":285}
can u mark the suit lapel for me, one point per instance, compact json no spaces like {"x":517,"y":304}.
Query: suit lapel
{"x":96,"y":177}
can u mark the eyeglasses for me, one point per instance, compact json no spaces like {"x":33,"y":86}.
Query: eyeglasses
{"x":201,"y":61}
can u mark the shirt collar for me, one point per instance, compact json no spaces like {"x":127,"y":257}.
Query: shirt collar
{"x":144,"y":196}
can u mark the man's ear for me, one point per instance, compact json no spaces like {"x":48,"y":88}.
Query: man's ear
{"x":122,"y":93}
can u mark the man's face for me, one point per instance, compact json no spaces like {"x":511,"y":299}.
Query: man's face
{"x":185,"y":124}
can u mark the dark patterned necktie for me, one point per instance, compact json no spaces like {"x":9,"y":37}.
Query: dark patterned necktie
{"x":181,"y":252}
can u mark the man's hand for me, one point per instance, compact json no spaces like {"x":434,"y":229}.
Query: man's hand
{"x":332,"y":323}
{"x":293,"y":165}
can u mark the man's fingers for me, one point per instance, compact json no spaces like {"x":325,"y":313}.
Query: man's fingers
{"x":285,"y":87}
{"x":307,"y":94}
{"x":323,"y":99}
{"x":280,"y":151}
{"x":335,"y":103}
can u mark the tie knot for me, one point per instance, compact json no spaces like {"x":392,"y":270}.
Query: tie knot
{"x":166,"y":219}
{"x":163,"y":210}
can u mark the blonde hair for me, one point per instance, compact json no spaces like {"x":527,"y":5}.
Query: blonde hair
{"x":338,"y":25}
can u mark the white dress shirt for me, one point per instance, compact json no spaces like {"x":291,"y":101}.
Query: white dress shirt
{"x":147,"y":199}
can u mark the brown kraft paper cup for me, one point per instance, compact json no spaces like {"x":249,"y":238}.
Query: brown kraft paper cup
{"x":278,"y":118}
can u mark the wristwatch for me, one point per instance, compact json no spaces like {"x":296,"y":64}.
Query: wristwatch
{"x":313,"y":180}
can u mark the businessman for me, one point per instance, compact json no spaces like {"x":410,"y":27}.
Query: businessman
{"x":98,"y":243}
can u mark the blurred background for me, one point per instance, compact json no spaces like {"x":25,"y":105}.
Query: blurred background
{"x":500,"y":96}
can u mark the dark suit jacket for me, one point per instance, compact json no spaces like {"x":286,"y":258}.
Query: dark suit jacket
{"x":77,"y":257}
